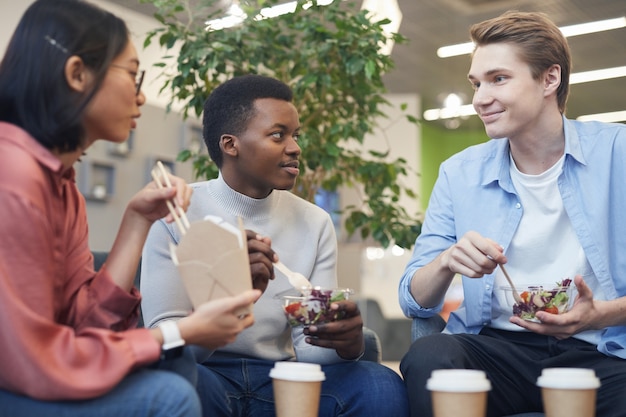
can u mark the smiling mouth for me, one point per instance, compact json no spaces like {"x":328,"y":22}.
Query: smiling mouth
{"x":490,"y":115}
{"x":292,"y":167}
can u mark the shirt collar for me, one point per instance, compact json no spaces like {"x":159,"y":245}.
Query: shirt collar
{"x":500,"y":170}
{"x":20,"y":138}
{"x":572,"y":142}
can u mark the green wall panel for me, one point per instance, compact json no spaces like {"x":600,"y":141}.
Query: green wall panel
{"x":438,"y":144}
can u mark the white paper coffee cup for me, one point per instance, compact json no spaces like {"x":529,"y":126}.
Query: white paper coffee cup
{"x":297,"y":371}
{"x":297,"y":388}
{"x":457,"y":392}
{"x":568,"y":392}
{"x":568,"y":378}
{"x":458,"y":380}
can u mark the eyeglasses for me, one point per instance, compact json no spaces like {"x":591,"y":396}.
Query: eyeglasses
{"x":135,"y":74}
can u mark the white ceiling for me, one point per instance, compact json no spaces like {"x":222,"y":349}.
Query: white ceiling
{"x":430,"y":24}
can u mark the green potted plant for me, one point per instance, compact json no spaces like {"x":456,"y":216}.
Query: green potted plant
{"x":330,"y":56}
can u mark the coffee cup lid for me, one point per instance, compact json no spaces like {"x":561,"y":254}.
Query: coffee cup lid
{"x":568,"y":378}
{"x":458,"y":380}
{"x":297,"y":371}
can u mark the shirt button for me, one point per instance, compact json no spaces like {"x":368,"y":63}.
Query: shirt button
{"x":518,"y":205}
{"x":487,"y":286}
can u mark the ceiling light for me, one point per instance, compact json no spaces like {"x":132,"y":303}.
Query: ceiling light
{"x":289,"y":7}
{"x":593,"y":27}
{"x":379,"y":9}
{"x":235,"y":15}
{"x":568,"y":31}
{"x":449,"y":112}
{"x":597,"y":75}
{"x":610,"y":117}
{"x":455,"y":50}
{"x":385,"y":9}
{"x":278,"y":10}
{"x":453,"y":101}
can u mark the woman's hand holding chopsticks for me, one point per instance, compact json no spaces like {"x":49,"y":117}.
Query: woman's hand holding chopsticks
{"x":176,"y":208}
{"x":167,"y":197}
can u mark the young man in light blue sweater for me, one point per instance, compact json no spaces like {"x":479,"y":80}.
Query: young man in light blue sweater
{"x":251,"y":129}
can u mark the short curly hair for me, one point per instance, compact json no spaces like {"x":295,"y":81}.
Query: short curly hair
{"x":229,"y":108}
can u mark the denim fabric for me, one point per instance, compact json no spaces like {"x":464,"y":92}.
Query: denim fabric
{"x":358,"y":389}
{"x":166,"y":389}
{"x":145,"y":393}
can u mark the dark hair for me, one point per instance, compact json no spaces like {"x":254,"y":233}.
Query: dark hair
{"x":34,"y":93}
{"x":540,"y":42}
{"x":230,"y":107}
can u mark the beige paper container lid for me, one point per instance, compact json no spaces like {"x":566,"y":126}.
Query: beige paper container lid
{"x":458,"y":380}
{"x":297,"y":371}
{"x":568,"y":378}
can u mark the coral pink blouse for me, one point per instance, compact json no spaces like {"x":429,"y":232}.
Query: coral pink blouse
{"x":66,"y":332}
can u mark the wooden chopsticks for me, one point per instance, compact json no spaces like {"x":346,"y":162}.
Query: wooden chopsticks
{"x":159,"y":172}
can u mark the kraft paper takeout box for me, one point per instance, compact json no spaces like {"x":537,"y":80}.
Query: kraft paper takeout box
{"x":212,"y":260}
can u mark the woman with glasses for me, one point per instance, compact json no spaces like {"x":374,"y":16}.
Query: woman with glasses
{"x":71,"y":76}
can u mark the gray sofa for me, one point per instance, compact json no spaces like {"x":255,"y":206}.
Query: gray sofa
{"x":394,"y":333}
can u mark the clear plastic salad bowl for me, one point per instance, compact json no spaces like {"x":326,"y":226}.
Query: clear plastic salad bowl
{"x":555,"y":300}
{"x":313,"y":306}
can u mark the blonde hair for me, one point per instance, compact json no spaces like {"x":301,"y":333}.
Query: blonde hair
{"x":540,"y":43}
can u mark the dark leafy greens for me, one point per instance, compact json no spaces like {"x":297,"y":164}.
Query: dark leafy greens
{"x":536,"y":299}
{"x":314,"y":307}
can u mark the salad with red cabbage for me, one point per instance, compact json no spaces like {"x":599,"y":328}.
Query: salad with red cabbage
{"x":554,"y":301}
{"x":314,"y":307}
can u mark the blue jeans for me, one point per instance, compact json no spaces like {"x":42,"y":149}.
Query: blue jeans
{"x":144,"y":393}
{"x":242,"y":387}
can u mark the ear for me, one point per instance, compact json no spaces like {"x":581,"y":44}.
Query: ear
{"x":552,"y":79}
{"x":76,"y":74}
{"x":229,"y":144}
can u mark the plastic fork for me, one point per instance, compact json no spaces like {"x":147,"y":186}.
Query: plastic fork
{"x":296,"y":279}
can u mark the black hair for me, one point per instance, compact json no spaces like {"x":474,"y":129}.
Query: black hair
{"x":34,"y":93}
{"x":230,"y":107}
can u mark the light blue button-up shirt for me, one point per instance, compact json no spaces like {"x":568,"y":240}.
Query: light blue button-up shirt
{"x":474,"y":191}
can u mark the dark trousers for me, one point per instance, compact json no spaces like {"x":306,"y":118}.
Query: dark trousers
{"x":512,"y":362}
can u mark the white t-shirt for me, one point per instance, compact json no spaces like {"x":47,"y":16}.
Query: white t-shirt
{"x":545,"y":248}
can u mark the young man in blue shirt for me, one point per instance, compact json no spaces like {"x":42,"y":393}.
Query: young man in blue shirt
{"x":545,"y":197}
